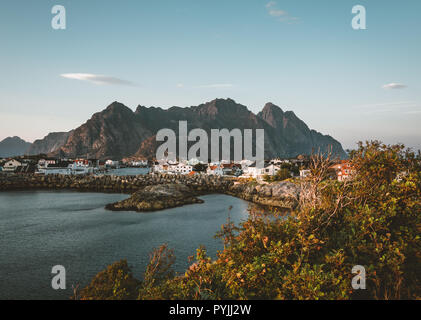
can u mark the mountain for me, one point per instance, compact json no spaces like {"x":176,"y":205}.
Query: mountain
{"x":118,"y":132}
{"x":49,"y":143}
{"x":295,"y":135}
{"x":112,"y":133}
{"x":13,"y":146}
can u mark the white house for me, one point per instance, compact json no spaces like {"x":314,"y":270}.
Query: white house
{"x":139,"y":163}
{"x":176,"y":168}
{"x":160,"y":166}
{"x":215,"y":169}
{"x":46,"y":162}
{"x":257,"y":173}
{"x":193,"y":162}
{"x":112,"y":164}
{"x":181,"y":168}
{"x":270,"y":170}
{"x":252,"y":171}
{"x":11,"y":165}
{"x":304,"y":173}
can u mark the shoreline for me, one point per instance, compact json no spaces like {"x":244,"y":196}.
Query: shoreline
{"x":283,"y":195}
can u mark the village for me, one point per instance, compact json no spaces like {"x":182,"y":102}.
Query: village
{"x":273,"y":170}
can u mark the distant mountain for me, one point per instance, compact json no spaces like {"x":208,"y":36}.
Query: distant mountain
{"x":295,"y":135}
{"x":115,"y":132}
{"x":13,"y":146}
{"x":49,"y":143}
{"x":118,"y":132}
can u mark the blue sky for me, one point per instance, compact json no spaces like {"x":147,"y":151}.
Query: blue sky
{"x":302,"y":55}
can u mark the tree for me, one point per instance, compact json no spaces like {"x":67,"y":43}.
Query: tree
{"x":200,"y":167}
{"x":116,"y":282}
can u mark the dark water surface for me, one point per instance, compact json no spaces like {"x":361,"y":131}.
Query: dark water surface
{"x":40,"y":229}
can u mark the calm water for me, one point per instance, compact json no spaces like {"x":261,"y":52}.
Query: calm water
{"x":40,"y":229}
{"x":128,"y":171}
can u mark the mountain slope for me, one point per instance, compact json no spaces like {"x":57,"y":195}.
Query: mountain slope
{"x":113,"y":133}
{"x":13,"y":146}
{"x":295,"y":135}
{"x":118,"y":132}
{"x":49,"y":143}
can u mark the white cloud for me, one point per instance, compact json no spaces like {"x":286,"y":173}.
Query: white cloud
{"x":180,"y":85}
{"x":277,"y":13}
{"x":282,"y":15}
{"x":394,"y":86}
{"x":97,"y":79}
{"x":270,"y":4}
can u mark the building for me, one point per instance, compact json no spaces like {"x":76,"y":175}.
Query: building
{"x":60,"y":167}
{"x":270,"y":170}
{"x":112,"y":164}
{"x":258,"y":173}
{"x":172,"y":168}
{"x":139,"y":163}
{"x":11,"y":165}
{"x":343,"y":170}
{"x":215,"y":169}
{"x":181,"y":168}
{"x":47,"y":161}
{"x":304,"y":173}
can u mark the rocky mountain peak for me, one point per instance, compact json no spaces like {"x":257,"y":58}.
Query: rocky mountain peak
{"x":272,"y":114}
{"x":118,"y":132}
{"x":118,"y":107}
{"x":13,"y":146}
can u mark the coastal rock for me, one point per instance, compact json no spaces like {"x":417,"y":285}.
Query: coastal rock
{"x":283,"y":194}
{"x":152,"y":198}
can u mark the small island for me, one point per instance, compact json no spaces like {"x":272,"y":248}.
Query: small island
{"x":157,"y":197}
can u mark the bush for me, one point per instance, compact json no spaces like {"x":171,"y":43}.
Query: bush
{"x":116,"y":282}
{"x":372,"y":219}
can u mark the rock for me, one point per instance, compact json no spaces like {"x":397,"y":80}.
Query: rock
{"x":282,"y":194}
{"x":159,"y":197}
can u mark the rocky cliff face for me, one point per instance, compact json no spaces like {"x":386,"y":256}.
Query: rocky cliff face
{"x":49,"y":143}
{"x":295,"y":135}
{"x":118,"y":132}
{"x":112,"y":133}
{"x":13,"y":146}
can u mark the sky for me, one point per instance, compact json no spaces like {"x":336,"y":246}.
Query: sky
{"x":302,"y":55}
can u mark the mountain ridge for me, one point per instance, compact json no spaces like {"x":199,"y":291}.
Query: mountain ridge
{"x":13,"y":146}
{"x":118,"y":132}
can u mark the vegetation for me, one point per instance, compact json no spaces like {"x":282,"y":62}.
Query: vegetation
{"x":281,"y":175}
{"x":372,"y":219}
{"x":200,"y":167}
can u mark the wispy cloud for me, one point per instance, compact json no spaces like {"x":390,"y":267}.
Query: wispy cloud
{"x":395,"y":86}
{"x":97,"y":79}
{"x":270,"y":4}
{"x":281,"y":15}
{"x":277,"y":13}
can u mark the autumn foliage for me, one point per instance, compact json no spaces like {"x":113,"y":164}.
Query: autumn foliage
{"x":372,"y":219}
